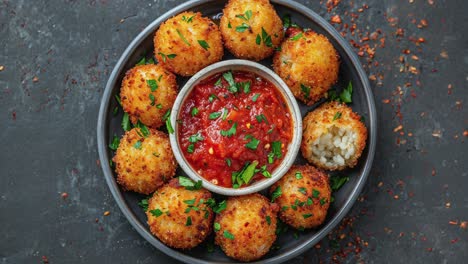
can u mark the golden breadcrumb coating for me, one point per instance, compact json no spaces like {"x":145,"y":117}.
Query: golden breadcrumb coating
{"x":305,"y":197}
{"x":187,"y":43}
{"x":247,"y":227}
{"x":309,"y":65}
{"x":179,"y":217}
{"x":147,"y":93}
{"x":333,"y":137}
{"x":251,"y":29}
{"x":144,"y":163}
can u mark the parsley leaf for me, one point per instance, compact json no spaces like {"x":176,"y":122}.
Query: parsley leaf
{"x":306,"y":216}
{"x":336,"y":182}
{"x":253,"y":144}
{"x":298,"y":175}
{"x":228,"y":162}
{"x":115,"y":143}
{"x":137,"y":145}
{"x":268,"y":219}
{"x":168,"y":56}
{"x":296,"y":37}
{"x":217,"y":227}
{"x":126,"y":122}
{"x":191,"y":148}
{"x":195,"y":138}
{"x":261,"y":118}
{"x":306,"y":91}
{"x":182,"y":37}
{"x":276,"y":193}
{"x":214,"y":115}
{"x":188,"y":19}
{"x":232,"y":84}
{"x":266,"y":38}
{"x":152,"y":84}
{"x":276,"y":147}
{"x":156,"y":212}
{"x":243,"y":27}
{"x":230,"y":132}
{"x":228,"y":235}
{"x":246,"y":16}
{"x":302,"y":190}
{"x":194,"y":111}
{"x":347,"y":94}
{"x":143,"y":204}
{"x":220,"y":207}
{"x":315,"y":193}
{"x":255,"y":97}
{"x":143,"y":129}
{"x":189,"y":184}
{"x":336,"y":116}
{"x":204,"y":44}
{"x":189,"y":221}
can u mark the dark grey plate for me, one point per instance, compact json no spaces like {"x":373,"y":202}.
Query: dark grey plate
{"x":290,"y":246}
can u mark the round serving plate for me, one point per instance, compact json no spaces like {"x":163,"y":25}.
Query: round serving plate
{"x":290,"y":245}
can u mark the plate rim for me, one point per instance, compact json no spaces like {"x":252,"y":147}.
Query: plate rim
{"x":324,"y":230}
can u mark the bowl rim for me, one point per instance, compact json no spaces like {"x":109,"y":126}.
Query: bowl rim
{"x":258,"y":69}
{"x":102,"y":131}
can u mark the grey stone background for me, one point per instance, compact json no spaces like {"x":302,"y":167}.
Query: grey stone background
{"x":55,"y":57}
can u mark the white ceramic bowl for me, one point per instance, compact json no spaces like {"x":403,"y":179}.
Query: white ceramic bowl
{"x":264,"y":72}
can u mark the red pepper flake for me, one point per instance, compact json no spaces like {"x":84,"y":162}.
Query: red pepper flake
{"x":396,"y":197}
{"x":35,"y":79}
{"x":380,"y":184}
{"x":453,"y":241}
{"x":453,"y":222}
{"x":447,"y":205}
{"x":465,"y":133}
{"x":464,"y":225}
{"x":335,"y":19}
{"x":13,"y":115}
{"x":2,"y":68}
{"x":400,"y":32}
{"x":421,"y":40}
{"x":386,"y":101}
{"x":64,"y":195}
{"x":449,"y":89}
{"x":433,"y":172}
{"x":444,"y":54}
{"x":98,"y":162}
{"x":45,"y":260}
{"x":437,"y":134}
{"x":106,"y":213}
{"x":398,"y":128}
{"x":429,"y":249}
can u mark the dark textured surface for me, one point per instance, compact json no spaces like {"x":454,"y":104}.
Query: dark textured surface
{"x":417,"y":185}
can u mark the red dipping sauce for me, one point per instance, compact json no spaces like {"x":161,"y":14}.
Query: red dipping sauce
{"x":234,"y":128}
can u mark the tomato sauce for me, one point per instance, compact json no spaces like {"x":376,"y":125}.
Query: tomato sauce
{"x":234,"y":128}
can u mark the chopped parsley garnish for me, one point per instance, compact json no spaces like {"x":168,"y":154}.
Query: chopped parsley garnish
{"x":217,"y":227}
{"x":264,"y":171}
{"x":189,"y":221}
{"x":194,"y":111}
{"x":212,"y":97}
{"x":182,"y":37}
{"x":195,"y":138}
{"x":228,"y":162}
{"x":144,"y":204}
{"x":296,"y":37}
{"x":218,"y":82}
{"x":159,"y":106}
{"x":253,"y":144}
{"x":302,"y":190}
{"x":265,"y":38}
{"x":323,"y":201}
{"x":189,"y":184}
{"x":167,"y":118}
{"x":255,"y":97}
{"x":268,"y":219}
{"x":188,"y":19}
{"x":306,"y":216}
{"x":156,"y":212}
{"x":141,"y":62}
{"x":245,"y":86}
{"x":190,"y":202}
{"x":191,"y":148}
{"x":214,"y":115}
{"x":309,"y":201}
{"x":232,"y":84}
{"x":225,"y":113}
{"x":145,"y":132}
{"x":126,"y":122}
{"x":203,"y":44}
{"x":243,"y":27}
{"x":156,"y":154}
{"x":276,"y":193}
{"x":246,"y":16}
{"x":219,"y":207}
{"x":230,"y":132}
{"x":152,"y":99}
{"x":167,"y":56}
{"x":336,"y":182}
{"x":261,"y":118}
{"x":298,"y":175}
{"x":249,"y":172}
{"x":229,"y":24}
{"x":315,"y":193}
{"x":115,"y":143}
{"x":347,"y":94}
{"x":336,"y":116}
{"x":286,"y":21}
{"x":153,"y":84}
{"x":137,"y":145}
{"x":306,"y":91}
{"x":276,"y":147}
{"x":228,"y":235}
{"x":117,"y":98}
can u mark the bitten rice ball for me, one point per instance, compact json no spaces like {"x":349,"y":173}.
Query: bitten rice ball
{"x":309,"y":65}
{"x":333,"y":137}
{"x":144,"y":160}
{"x":180,"y":218}
{"x":147,"y":93}
{"x":251,"y":29}
{"x":187,"y":43}
{"x":245,"y":230}
{"x":303,"y":195}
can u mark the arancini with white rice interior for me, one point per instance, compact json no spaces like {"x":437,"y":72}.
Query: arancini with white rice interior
{"x":147,"y":93}
{"x":251,"y":29}
{"x":245,"y":230}
{"x":303,"y":196}
{"x":309,"y":65}
{"x":180,"y":218}
{"x":144,"y":160}
{"x":187,"y":43}
{"x":333,"y":137}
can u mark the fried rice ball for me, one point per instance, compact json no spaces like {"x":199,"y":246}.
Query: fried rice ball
{"x":333,"y":137}
{"x":245,"y":230}
{"x":180,"y":218}
{"x":251,"y":29}
{"x":187,"y":43}
{"x":305,"y":196}
{"x":309,"y":65}
{"x":144,"y":162}
{"x":147,"y":93}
